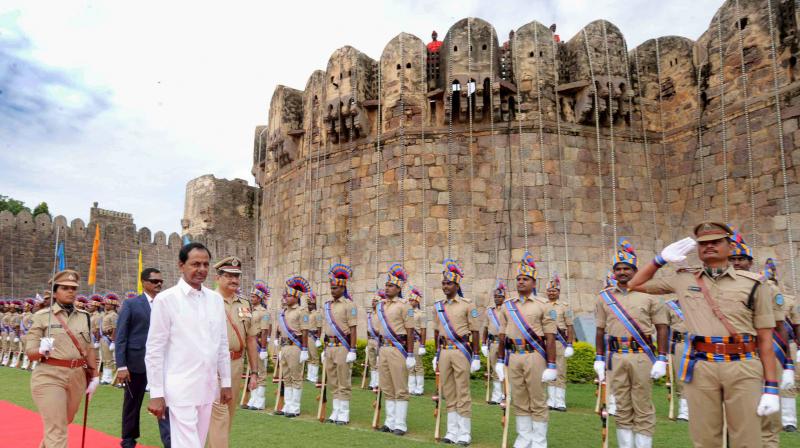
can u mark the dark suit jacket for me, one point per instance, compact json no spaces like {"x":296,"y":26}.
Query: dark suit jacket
{"x":132,"y":326}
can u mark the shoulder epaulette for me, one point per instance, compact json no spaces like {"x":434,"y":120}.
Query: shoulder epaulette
{"x":85,"y":312}
{"x":751,"y":275}
{"x":43,"y":311}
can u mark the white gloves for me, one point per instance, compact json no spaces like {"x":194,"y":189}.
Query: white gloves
{"x":351,"y":357}
{"x":797,"y":361}
{"x":304,"y":355}
{"x":787,"y":379}
{"x":96,"y":345}
{"x":600,"y":370}
{"x":322,"y":357}
{"x":485,"y":350}
{"x":317,"y":343}
{"x":500,"y":370}
{"x":658,"y":370}
{"x":16,"y":339}
{"x":549,"y":375}
{"x":277,"y":342}
{"x":410,"y":362}
{"x":262,"y":354}
{"x":569,"y":351}
{"x":676,"y":252}
{"x":46,"y":345}
{"x":475,"y":365}
{"x":421,"y":351}
{"x":769,"y":404}
{"x":435,"y":362}
{"x":92,"y":386}
{"x":111,"y":346}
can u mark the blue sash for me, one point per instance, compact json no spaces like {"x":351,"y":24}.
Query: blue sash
{"x":388,"y":332}
{"x":686,"y":361}
{"x":332,"y":323}
{"x":102,"y":335}
{"x":628,"y":322}
{"x":561,"y":338}
{"x":23,"y":327}
{"x":789,"y":326}
{"x":676,"y":307}
{"x":495,"y":321}
{"x":778,"y":345}
{"x":450,"y":331}
{"x":525,"y":329}
{"x":371,"y":328}
{"x":288,"y":331}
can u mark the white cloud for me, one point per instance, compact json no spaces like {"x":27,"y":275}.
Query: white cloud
{"x":179,"y":86}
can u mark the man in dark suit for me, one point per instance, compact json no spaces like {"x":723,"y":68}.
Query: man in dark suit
{"x":132,"y":327}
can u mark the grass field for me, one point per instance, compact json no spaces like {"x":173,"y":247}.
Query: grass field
{"x":579,"y":427}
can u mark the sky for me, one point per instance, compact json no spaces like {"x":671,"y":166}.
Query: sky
{"x":124,"y":102}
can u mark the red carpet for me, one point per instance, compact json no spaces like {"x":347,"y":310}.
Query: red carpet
{"x":22,"y":428}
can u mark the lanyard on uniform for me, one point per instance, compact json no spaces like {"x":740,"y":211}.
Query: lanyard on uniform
{"x":332,"y":323}
{"x":388,"y":332}
{"x":450,"y":331}
{"x":676,"y":307}
{"x":627,"y":321}
{"x":288,"y":331}
{"x":493,"y":317}
{"x":524,"y":328}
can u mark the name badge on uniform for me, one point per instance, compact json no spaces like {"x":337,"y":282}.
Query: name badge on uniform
{"x":55,"y":326}
{"x":695,"y":289}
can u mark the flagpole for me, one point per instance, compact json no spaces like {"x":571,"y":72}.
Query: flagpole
{"x":52,"y":293}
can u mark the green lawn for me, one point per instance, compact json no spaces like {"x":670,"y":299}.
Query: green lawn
{"x":577,"y":428}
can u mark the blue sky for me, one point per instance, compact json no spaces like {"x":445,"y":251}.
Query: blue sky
{"x":124,"y":102}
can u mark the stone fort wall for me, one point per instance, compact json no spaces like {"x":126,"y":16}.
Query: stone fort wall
{"x":624,"y":162}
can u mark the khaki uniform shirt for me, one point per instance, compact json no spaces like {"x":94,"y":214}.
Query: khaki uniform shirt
{"x":730,"y":290}
{"x":297,"y":318}
{"x":399,"y":315}
{"x":534,"y":310}
{"x":675,"y":322}
{"x":238,"y":311}
{"x":16,"y":318}
{"x":463,"y":316}
{"x":794,"y":305}
{"x":777,"y":302}
{"x":95,"y":320}
{"x":25,"y":323}
{"x":344,"y":313}
{"x":563,"y":314}
{"x":109,"y":323}
{"x":63,"y":347}
{"x":259,"y":314}
{"x":645,"y":309}
{"x":493,"y":329}
{"x":315,"y":321}
{"x":5,"y":322}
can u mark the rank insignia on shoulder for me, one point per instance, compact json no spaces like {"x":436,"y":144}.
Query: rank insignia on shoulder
{"x":411,"y":312}
{"x":779,"y":299}
{"x":553,"y":314}
{"x":695,"y":288}
{"x":474,"y":313}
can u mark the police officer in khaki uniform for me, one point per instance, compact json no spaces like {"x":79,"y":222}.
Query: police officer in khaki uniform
{"x":242,"y":332}
{"x":293,"y":324}
{"x":493,"y":326}
{"x":340,"y":318}
{"x":314,"y":339}
{"x":416,"y":376}
{"x":456,"y":337}
{"x":108,"y":328}
{"x":4,"y":342}
{"x":627,"y":325}
{"x":25,"y":327}
{"x":565,"y":335}
{"x":677,"y":346}
{"x":96,"y":317}
{"x":261,"y":317}
{"x":16,"y":346}
{"x":373,"y":340}
{"x":729,"y":315}
{"x":59,"y":340}
{"x":792,"y":324}
{"x":396,"y":355}
{"x":528,"y":340}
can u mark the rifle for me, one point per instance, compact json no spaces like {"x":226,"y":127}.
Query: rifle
{"x":506,"y":412}
{"x":245,"y":389}
{"x":488,"y":379}
{"x":602,"y":396}
{"x":437,"y":410}
{"x":671,"y":387}
{"x":323,"y":393}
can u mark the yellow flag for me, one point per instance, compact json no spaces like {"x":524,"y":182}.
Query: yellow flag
{"x":139,"y":274}
{"x":95,"y":250}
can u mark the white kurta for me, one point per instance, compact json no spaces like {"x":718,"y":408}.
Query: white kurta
{"x":187,"y":346}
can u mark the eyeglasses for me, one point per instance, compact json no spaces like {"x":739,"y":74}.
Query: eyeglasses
{"x":154,"y":281}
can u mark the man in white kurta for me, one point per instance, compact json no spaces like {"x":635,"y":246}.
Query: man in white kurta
{"x":187,"y":350}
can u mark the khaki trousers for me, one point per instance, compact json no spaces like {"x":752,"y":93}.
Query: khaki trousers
{"x":372,"y":354}
{"x":676,"y":359}
{"x":108,"y":355}
{"x":493,"y":358}
{"x":561,"y":366}
{"x":219,"y":429}
{"x":262,"y":370}
{"x":633,"y":388}
{"x":529,"y":395}
{"x":738,"y":385}
{"x":393,"y":374}
{"x":291,"y":369}
{"x":338,"y":373}
{"x":57,"y":393}
{"x":313,"y":352}
{"x":419,"y":368}
{"x":454,"y":375}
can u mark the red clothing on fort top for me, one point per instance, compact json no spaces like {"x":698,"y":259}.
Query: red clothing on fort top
{"x":434,"y":46}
